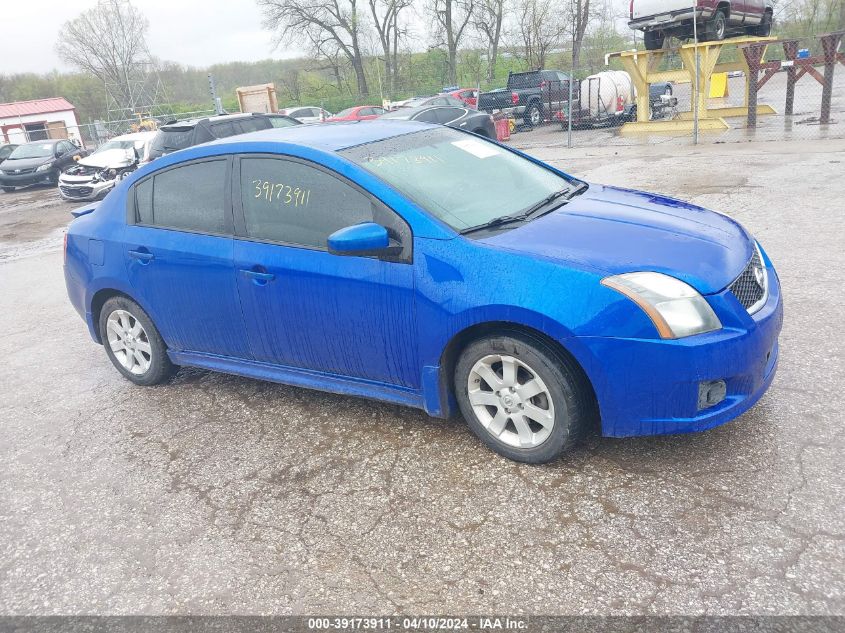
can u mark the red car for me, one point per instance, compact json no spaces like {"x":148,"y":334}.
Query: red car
{"x":358,"y":113}
{"x":467,"y":95}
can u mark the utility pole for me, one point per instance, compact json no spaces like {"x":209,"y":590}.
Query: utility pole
{"x":218,"y":103}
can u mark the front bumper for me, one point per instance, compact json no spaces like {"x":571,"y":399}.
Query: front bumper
{"x":83,"y":188}
{"x":669,"y":19}
{"x":24,"y":180}
{"x":651,"y":386}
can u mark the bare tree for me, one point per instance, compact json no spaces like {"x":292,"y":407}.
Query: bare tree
{"x":109,"y":42}
{"x":541,"y":28}
{"x":326,"y":24}
{"x":489,"y":18}
{"x":451,"y":18}
{"x":386,"y":20}
{"x":578,"y":18}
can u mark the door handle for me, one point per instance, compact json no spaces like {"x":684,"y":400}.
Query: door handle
{"x":144,"y":256}
{"x":258,"y":276}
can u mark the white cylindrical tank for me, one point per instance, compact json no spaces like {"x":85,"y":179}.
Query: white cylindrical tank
{"x":606,"y":93}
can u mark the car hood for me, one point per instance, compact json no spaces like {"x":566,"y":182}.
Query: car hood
{"x":110,"y":158}
{"x":618,"y":231}
{"x":25,"y":163}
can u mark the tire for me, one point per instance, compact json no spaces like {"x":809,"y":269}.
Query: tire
{"x":533,"y":115}
{"x":147,"y":342}
{"x":654,"y":40}
{"x":8,"y":189}
{"x":564,"y":404}
{"x":764,"y":29}
{"x":717,"y":28}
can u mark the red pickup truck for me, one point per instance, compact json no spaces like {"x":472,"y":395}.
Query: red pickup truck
{"x":717,"y":19}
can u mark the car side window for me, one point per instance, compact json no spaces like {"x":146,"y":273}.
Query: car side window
{"x":447,"y":115}
{"x":224,"y":129}
{"x":428,"y":116}
{"x":365,"y":112}
{"x":378,"y":111}
{"x":190,"y":198}
{"x":294,"y":203}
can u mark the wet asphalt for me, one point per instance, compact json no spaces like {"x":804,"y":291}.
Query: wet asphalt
{"x":218,"y":494}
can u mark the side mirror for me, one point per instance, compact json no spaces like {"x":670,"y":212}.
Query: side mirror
{"x":363,"y":239}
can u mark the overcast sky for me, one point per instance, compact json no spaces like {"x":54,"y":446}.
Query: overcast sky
{"x":191,"y":32}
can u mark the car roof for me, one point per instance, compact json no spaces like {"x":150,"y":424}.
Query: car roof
{"x":407,"y":113}
{"x":135,"y":136}
{"x":210,"y":119}
{"x":328,"y":136}
{"x":51,"y":141}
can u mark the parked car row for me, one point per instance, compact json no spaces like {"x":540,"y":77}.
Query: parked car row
{"x":80,"y":176}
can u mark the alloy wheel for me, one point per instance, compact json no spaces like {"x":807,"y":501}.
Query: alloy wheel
{"x":129,"y":342}
{"x":511,"y":401}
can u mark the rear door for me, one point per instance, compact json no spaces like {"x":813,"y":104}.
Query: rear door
{"x":179,"y":250}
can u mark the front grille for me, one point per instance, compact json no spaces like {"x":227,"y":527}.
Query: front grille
{"x":76,"y":192}
{"x":20,"y":172}
{"x":747,"y":288}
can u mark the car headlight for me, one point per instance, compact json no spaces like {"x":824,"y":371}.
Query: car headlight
{"x":44,"y":167}
{"x":676,"y":308}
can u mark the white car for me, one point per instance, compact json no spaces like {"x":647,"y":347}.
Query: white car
{"x":307,"y":114}
{"x":94,"y":176}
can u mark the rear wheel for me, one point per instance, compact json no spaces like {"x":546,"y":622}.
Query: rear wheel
{"x":521,"y":398}
{"x":717,"y":27}
{"x":533,"y":115}
{"x":654,"y":40}
{"x":132,"y":342}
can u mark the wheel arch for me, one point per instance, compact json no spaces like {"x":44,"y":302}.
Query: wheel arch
{"x":98,"y":300}
{"x":460,"y":340}
{"x":724,"y":7}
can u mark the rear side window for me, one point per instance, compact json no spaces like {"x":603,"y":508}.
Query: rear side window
{"x":252,"y":124}
{"x":190,"y":198}
{"x":224,"y":129}
{"x":167,"y":141}
{"x":290,"y":202}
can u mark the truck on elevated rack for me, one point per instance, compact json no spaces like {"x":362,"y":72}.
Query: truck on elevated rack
{"x":716,"y":19}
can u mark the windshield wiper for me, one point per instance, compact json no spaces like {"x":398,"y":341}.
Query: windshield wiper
{"x":532,"y":211}
{"x":501,"y":221}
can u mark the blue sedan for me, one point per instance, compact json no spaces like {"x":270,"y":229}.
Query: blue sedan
{"x":425,"y":266}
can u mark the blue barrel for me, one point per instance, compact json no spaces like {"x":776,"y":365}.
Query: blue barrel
{"x":803,"y":53}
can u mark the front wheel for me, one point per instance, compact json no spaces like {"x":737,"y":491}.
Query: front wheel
{"x":521,"y":398}
{"x":654,"y":40}
{"x":132,"y":342}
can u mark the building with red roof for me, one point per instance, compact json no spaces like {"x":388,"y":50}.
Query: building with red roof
{"x":37,"y":120}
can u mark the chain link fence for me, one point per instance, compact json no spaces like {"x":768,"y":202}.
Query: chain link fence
{"x":745,"y":89}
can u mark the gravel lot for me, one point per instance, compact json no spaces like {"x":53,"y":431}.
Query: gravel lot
{"x":217,"y":494}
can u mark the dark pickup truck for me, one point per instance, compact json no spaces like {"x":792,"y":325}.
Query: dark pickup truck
{"x":534,"y":96}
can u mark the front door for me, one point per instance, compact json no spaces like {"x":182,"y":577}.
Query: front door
{"x":178,"y":254}
{"x":304,"y":307}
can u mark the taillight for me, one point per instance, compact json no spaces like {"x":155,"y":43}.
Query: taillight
{"x":542,"y":84}
{"x":514,"y":98}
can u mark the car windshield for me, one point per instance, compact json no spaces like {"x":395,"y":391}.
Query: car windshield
{"x":463,"y":180}
{"x":33,"y":150}
{"x":346,"y":112}
{"x":115,"y":145}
